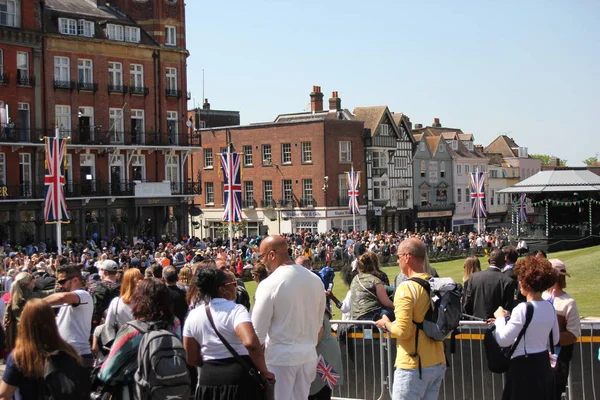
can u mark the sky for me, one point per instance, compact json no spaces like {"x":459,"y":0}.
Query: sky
{"x":528,"y":69}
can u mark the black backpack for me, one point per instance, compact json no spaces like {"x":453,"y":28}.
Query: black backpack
{"x":66,"y":379}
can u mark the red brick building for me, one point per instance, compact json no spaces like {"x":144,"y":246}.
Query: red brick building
{"x":293,"y":175}
{"x":112,"y":78}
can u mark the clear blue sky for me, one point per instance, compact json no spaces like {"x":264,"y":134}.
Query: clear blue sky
{"x":530,"y":67}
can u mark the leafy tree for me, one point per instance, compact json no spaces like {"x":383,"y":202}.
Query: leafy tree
{"x":592,"y":161}
{"x":546,"y":159}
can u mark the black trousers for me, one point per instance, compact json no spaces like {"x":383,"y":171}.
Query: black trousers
{"x":323,"y":394}
{"x":529,"y":378}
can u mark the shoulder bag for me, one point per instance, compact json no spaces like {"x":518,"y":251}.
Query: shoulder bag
{"x":267,"y":386}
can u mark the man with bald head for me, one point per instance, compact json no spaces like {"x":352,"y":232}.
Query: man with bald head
{"x":288,"y":317}
{"x":420,"y":367}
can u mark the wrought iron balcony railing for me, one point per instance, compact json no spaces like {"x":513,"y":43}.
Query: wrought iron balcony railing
{"x":139,"y":90}
{"x":85,"y":135}
{"x":69,"y":85}
{"x":268,"y":203}
{"x":185,"y":188}
{"x":248,"y":203}
{"x":117,"y":89}
{"x":87,"y":86}
{"x":308,"y":202}
{"x":287,"y":203}
{"x":4,"y":79}
{"x":173,"y":93}
{"x":28,"y":81}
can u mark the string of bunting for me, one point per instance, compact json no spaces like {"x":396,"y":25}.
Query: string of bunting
{"x":558,"y":203}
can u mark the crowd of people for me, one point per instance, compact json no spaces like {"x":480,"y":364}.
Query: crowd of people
{"x":106,"y":299}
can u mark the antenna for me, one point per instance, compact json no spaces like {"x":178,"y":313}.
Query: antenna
{"x":203,"y":84}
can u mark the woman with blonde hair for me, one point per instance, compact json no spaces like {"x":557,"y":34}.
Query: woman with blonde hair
{"x":368,"y":296}
{"x":471,"y":266}
{"x":184,"y":279}
{"x":119,"y":311}
{"x":37,"y":340}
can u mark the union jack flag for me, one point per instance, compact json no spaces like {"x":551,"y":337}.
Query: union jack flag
{"x":523,"y":208}
{"x":55,"y":208}
{"x":353,"y":180}
{"x":230,"y":163}
{"x":478,"y":208}
{"x":327,"y":373}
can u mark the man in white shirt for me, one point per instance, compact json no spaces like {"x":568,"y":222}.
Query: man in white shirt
{"x":288,"y":318}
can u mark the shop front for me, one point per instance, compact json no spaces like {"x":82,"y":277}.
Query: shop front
{"x":435,"y":221}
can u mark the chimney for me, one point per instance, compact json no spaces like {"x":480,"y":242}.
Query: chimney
{"x":335,"y":103}
{"x":206,"y":105}
{"x":436,"y":123}
{"x":418,"y":126}
{"x":316,"y":99}
{"x":554,"y":161}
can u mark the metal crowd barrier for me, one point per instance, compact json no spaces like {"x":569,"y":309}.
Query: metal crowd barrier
{"x":368,"y":356}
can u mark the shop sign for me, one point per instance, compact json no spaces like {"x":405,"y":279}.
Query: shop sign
{"x":154,"y":202}
{"x":3,"y":191}
{"x":378,"y":211}
{"x":344,"y":213}
{"x":303,"y":214}
{"x":434,"y":214}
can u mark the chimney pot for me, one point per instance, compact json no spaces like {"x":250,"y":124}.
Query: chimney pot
{"x":335,"y":103}
{"x":316,"y":99}
{"x":418,"y":126}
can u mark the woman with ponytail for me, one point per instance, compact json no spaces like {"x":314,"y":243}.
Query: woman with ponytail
{"x":223,"y":376}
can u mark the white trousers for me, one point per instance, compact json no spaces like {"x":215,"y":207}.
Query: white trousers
{"x":293,"y":383}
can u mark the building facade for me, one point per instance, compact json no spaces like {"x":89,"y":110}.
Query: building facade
{"x":113,"y":81}
{"x":293,"y":176}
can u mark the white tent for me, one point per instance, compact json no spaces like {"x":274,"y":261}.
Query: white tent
{"x":571,"y":180}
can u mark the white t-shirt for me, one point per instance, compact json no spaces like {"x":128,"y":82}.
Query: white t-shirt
{"x":536,"y":338}
{"x":566,"y":306}
{"x":227,"y":316}
{"x":75,"y":322}
{"x":119,"y":312}
{"x":288,"y":314}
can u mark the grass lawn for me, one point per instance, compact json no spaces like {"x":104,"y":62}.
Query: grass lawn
{"x":582,"y":264}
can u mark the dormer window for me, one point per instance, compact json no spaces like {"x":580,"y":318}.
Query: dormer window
{"x":115,"y":32}
{"x":385,"y":130}
{"x":85,"y":28}
{"x":67,"y":26}
{"x":123,"y":33}
{"x":455,"y":145}
{"x":132,"y":34}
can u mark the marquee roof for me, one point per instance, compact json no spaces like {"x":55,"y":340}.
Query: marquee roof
{"x":573,"y":180}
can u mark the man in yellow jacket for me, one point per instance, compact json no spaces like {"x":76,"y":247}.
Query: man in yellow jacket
{"x":419,"y":371}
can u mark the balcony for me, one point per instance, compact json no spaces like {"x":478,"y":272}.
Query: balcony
{"x":4,"y":79}
{"x":173,"y":93}
{"x":251,"y":203}
{"x":268,"y":203}
{"x":25,"y":191}
{"x":27,"y":81}
{"x":186,"y":188}
{"x":16,"y":134}
{"x":87,"y":87}
{"x":289,"y":203}
{"x":69,"y":85}
{"x":138,"y":90}
{"x":85,"y":135}
{"x":308,"y":202}
{"x":122,"y":89}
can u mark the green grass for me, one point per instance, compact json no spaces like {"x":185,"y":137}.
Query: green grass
{"x":582,"y":264}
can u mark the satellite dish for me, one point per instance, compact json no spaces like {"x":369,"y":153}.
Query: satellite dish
{"x":195,"y":211}
{"x":188,"y":124}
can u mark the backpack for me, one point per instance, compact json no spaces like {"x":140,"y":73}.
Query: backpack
{"x":162,"y":370}
{"x":444,"y":313}
{"x":103,"y":295}
{"x":66,"y":379}
{"x":498,"y":358}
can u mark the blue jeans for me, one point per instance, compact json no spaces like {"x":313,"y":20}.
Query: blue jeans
{"x":408,"y":385}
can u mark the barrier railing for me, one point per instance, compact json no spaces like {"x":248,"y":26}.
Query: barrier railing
{"x":368,"y":356}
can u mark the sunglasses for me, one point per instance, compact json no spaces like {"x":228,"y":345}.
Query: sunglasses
{"x":63,"y":281}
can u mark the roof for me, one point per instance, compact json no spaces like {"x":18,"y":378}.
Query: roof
{"x":418,"y":137}
{"x":434,"y":143}
{"x":397,"y":117}
{"x":371,"y":116}
{"x":82,"y":7}
{"x":557,"y":181}
{"x":466,"y":136}
{"x":503,"y":145}
{"x":307,"y":115}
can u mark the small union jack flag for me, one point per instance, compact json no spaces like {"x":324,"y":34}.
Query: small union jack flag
{"x":353,"y":180}
{"x":230,"y":163}
{"x":55,"y":207}
{"x":327,"y":373}
{"x":478,"y":207}
{"x":523,"y":208}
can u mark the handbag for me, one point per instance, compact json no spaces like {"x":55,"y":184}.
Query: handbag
{"x":498,"y":358}
{"x":267,"y":386}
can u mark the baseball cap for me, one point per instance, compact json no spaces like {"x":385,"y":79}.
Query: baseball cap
{"x":109,"y":265}
{"x":559,"y":266}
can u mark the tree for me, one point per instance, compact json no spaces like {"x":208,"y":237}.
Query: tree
{"x":546,"y":159}
{"x":592,"y":161}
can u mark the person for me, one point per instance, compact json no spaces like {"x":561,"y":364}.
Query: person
{"x":304,"y":261}
{"x":288,"y":316}
{"x":522,"y":247}
{"x":470,"y":266}
{"x":180,"y":306}
{"x":369,"y":299}
{"x":568,"y":325}
{"x":74,"y":319}
{"x":419,"y":371}
{"x":540,"y":254}
{"x":105,"y":290}
{"x":150,"y":303}
{"x":529,"y":375}
{"x":37,"y":338}
{"x":489,"y":289}
{"x":329,"y":349}
{"x":259,"y":273}
{"x":511,"y":255}
{"x":223,"y":377}
{"x":184,"y":278}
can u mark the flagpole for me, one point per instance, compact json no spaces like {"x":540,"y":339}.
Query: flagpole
{"x":229,"y":189}
{"x":353,"y":210}
{"x":58,"y":210}
{"x":478,"y":208}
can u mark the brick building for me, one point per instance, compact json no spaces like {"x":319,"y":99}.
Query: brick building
{"x":205,"y":117}
{"x":293,"y":175}
{"x":112,"y":79}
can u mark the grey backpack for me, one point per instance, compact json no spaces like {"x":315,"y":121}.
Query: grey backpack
{"x":162,"y":370}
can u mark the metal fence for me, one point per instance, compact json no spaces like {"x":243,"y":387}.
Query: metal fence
{"x":368,"y":356}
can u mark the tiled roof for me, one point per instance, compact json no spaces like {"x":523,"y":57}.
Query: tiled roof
{"x":418,"y":136}
{"x":397,"y":117}
{"x":503,"y":145}
{"x":465,"y":136}
{"x":371,"y":116}
{"x":434,"y":143}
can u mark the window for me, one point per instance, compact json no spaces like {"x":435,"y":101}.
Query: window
{"x":172,"y":126}
{"x":138,"y":163}
{"x":137,"y":126}
{"x":172,"y":168}
{"x":85,"y":28}
{"x":467,"y":169}
{"x":458,"y":169}
{"x":247,"y":155}
{"x":442,"y":169}
{"x":208,"y":158}
{"x":423,"y":167}
{"x":459,"y":195}
{"x":385,"y":130}
{"x":115,"y":74}
{"x":454,"y":144}
{"x":62,"y":119}
{"x":2,"y":169}
{"x":422,"y":146}
{"x":136,"y":75}
{"x":8,"y":12}
{"x":249,"y":191}
{"x":342,"y":190}
{"x":492,"y":197}
{"x":115,"y":32}
{"x":266,"y":154}
{"x":22,"y":66}
{"x":170,"y":36}
{"x":286,"y":153}
{"x":209,"y":190}
{"x":171,"y":78}
{"x":345,"y":151}
{"x":268,"y":191}
{"x":116,"y":124}
{"x":307,"y":190}
{"x":1,"y":62}
{"x":67,"y":26}
{"x":380,"y":189}
{"x":61,"y":69}
{"x":306,"y":152}
{"x":132,"y":34}
{"x":378,"y":159}
{"x":85,"y":71}
{"x":288,"y":195}
{"x":401,"y":162}
{"x":442,"y":147}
